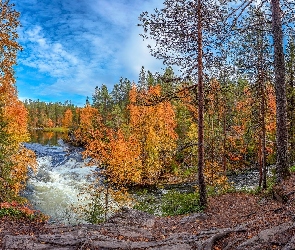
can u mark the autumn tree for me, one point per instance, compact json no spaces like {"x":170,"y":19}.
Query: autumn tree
{"x":68,"y":119}
{"x":139,"y":153}
{"x":15,"y":159}
{"x":215,"y":109}
{"x":252,"y":55}
{"x":154,"y":127}
{"x":90,"y":121}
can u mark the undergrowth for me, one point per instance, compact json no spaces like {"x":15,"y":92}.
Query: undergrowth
{"x":292,"y":169}
{"x":15,"y":210}
{"x":169,"y":204}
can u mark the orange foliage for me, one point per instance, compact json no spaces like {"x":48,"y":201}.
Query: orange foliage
{"x":139,"y":152}
{"x":154,"y":128}
{"x":90,"y":121}
{"x":17,"y":158}
{"x":68,"y":118}
{"x":124,"y":165}
{"x":50,"y":123}
{"x":16,"y":116}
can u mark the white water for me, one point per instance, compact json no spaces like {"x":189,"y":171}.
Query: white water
{"x":56,"y":187}
{"x":62,"y":176}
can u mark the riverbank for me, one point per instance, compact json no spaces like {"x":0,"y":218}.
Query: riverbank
{"x":231,"y":221}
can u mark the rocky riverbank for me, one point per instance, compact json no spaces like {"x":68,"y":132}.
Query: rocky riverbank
{"x":231,"y":221}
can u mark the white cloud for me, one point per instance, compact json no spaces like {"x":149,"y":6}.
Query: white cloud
{"x":78,"y":45}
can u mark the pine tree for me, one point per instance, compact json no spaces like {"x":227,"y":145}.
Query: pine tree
{"x":275,"y":8}
{"x":182,"y":31}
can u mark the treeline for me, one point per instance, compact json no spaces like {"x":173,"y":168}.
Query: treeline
{"x":146,"y":133}
{"x":48,"y":115}
{"x":56,"y":114}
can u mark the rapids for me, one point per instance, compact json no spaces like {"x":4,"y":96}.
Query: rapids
{"x":56,"y":188}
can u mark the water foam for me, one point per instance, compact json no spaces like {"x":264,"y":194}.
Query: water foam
{"x":57,"y":185}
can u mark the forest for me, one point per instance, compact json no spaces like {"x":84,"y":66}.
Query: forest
{"x":230,"y":109}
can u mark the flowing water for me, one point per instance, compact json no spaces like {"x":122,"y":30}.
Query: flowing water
{"x":57,"y":185}
{"x":62,"y":175}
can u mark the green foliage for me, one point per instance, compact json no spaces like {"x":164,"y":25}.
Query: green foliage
{"x":148,"y":202}
{"x":17,"y":211}
{"x":104,"y":201}
{"x":175,"y":203}
{"x":270,"y":183}
{"x":171,"y":203}
{"x":95,"y":212}
{"x":292,"y":169}
{"x":56,"y":129}
{"x":11,"y":212}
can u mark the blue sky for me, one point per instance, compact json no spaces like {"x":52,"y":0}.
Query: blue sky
{"x":71,"y":46}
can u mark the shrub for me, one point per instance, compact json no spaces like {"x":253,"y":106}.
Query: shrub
{"x":175,"y":203}
{"x":18,"y":211}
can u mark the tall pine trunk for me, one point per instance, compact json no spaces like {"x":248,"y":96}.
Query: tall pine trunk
{"x":291,"y":102}
{"x":201,"y":179}
{"x":282,"y":170}
{"x":263,"y":132}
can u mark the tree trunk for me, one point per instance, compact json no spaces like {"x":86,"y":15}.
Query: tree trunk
{"x":291,"y":103}
{"x":263,"y":133}
{"x":224,"y":141}
{"x":262,"y":94}
{"x":201,"y":179}
{"x":282,"y":170}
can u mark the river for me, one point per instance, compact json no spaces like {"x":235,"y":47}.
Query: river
{"x":57,"y":187}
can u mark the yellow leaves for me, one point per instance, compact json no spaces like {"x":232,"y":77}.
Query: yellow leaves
{"x":89,"y":117}
{"x":50,"y":123}
{"x":124,"y":163}
{"x":154,"y":127}
{"x":89,"y":126}
{"x":139,"y":152}
{"x":215,"y":177}
{"x":14,"y":157}
{"x":15,"y":115}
